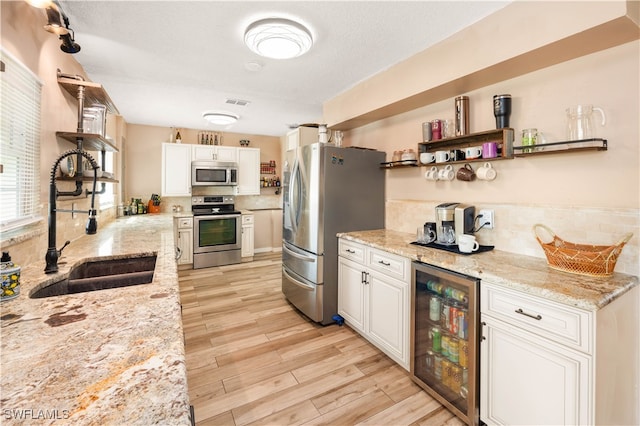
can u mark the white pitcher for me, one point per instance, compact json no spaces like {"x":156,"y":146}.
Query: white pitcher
{"x":324,"y":134}
{"x":580,"y":122}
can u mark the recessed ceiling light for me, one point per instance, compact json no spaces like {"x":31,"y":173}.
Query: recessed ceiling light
{"x":222,"y":118}
{"x":278,"y":38}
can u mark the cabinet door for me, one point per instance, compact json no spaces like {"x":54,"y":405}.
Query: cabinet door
{"x":248,"y":171}
{"x":387,"y":308}
{"x":203,"y":152}
{"x":351,"y":293}
{"x":176,"y":170}
{"x":185,"y":243}
{"x":525,"y":379}
{"x":247,"y":241}
{"x":227,"y":153}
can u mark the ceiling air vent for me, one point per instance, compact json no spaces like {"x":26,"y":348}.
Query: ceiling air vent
{"x":238,"y":102}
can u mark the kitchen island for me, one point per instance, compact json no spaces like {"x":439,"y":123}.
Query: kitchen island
{"x":102,"y":357}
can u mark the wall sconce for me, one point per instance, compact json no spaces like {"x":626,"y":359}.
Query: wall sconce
{"x":58,"y":23}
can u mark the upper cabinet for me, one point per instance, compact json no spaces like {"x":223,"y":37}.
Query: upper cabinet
{"x":214,"y":152}
{"x":248,"y":171}
{"x":301,"y":136}
{"x":176,"y":170}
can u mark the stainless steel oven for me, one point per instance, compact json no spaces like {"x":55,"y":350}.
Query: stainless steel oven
{"x":217,"y":231}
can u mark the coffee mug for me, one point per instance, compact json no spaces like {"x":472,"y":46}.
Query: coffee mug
{"x":427,"y":157}
{"x":425,"y":236}
{"x":442,"y":156}
{"x":431,"y":174}
{"x":486,"y":172}
{"x":456,"y":155}
{"x":473,"y":152}
{"x":467,"y":243}
{"x":466,"y":173}
{"x":446,"y":173}
{"x":489,"y":150}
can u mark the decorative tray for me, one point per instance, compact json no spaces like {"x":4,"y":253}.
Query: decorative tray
{"x":452,"y":248}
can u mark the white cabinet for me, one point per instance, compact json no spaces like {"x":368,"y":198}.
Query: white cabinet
{"x":176,"y":170}
{"x":248,"y":171}
{"x":183,"y":236}
{"x":373,"y":297}
{"x":301,"y":136}
{"x":247,"y":237}
{"x":214,"y":152}
{"x":545,"y":363}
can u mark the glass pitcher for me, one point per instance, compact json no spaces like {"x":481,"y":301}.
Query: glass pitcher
{"x":580,"y":122}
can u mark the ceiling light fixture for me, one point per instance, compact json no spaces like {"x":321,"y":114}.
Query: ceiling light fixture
{"x":221,"y":118}
{"x":278,"y":38}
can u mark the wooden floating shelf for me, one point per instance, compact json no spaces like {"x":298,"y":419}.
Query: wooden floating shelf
{"x":90,"y":141}
{"x":594,"y":144}
{"x":399,"y":164}
{"x":94,"y":93}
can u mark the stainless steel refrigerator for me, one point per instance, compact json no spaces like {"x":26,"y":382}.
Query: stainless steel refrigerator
{"x":326,"y":190}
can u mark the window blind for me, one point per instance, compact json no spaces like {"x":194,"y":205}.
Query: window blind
{"x":20,"y":93}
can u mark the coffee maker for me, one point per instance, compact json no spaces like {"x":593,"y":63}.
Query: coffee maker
{"x":452,"y":220}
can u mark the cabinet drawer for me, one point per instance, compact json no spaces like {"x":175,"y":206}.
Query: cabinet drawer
{"x":185,"y":222}
{"x":351,"y":250}
{"x":247,"y":219}
{"x":390,"y":264}
{"x":557,"y":322}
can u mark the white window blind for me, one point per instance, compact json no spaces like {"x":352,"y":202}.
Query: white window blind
{"x":106,"y":199}
{"x":20,"y":92}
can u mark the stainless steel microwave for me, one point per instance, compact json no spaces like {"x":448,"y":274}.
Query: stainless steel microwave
{"x":214,"y":173}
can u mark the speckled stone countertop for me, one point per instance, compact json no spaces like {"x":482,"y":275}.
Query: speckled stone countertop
{"x":525,"y":273}
{"x":109,"y":357}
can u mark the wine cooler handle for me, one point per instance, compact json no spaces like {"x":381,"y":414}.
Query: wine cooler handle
{"x":535,"y":317}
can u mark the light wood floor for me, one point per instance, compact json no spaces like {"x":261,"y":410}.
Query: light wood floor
{"x":253,"y":359}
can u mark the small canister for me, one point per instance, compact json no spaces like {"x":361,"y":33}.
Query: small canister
{"x":454,"y":349}
{"x":10,"y":273}
{"x":436,"y":339}
{"x":426,"y":132}
{"x":462,"y":115}
{"x":453,"y":320}
{"x":444,"y":316}
{"x":446,"y":372}
{"x":445,"y":346}
{"x":463,"y":353}
{"x":434,"y":308}
{"x":436,"y":129}
{"x":462,"y":324}
{"x":437,"y":366}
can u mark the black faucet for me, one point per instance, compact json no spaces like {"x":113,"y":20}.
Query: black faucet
{"x":53,"y":254}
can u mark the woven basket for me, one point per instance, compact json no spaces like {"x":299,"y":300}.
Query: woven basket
{"x":585,"y":259}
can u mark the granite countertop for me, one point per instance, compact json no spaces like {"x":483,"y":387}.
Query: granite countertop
{"x":103,"y":357}
{"x":524,"y":273}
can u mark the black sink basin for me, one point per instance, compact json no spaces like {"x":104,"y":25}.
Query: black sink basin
{"x":101,"y":275}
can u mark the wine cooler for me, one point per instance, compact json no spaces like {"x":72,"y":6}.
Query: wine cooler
{"x":445,"y":338}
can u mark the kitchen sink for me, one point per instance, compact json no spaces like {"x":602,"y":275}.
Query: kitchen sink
{"x":101,"y":275}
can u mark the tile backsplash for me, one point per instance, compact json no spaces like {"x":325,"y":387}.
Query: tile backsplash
{"x":513,"y":231}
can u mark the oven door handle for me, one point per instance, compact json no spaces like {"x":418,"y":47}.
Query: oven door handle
{"x":216,"y":216}
{"x":297,"y":255}
{"x":297,"y":282}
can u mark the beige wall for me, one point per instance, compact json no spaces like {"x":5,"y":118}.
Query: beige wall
{"x":24,"y":38}
{"x":143,"y":162}
{"x":585,"y":197}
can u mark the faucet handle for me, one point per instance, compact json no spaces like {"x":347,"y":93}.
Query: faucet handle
{"x":62,"y":248}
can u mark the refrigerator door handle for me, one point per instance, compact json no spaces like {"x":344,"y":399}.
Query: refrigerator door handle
{"x":297,"y":255}
{"x":293,"y":209}
{"x":297,"y":282}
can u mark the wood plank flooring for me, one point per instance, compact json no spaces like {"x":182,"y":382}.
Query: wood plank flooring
{"x":253,"y":359}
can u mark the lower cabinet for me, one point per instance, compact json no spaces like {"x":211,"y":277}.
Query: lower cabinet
{"x":247,"y":250}
{"x":546,"y":363}
{"x":373,"y":299}
{"x":183,"y":236}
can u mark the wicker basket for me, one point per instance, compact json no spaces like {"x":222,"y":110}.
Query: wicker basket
{"x":585,"y":259}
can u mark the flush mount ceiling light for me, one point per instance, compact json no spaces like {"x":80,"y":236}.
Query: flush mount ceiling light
{"x":278,"y":38}
{"x":221,"y":118}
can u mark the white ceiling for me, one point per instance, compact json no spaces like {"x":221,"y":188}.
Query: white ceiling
{"x":166,"y":62}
